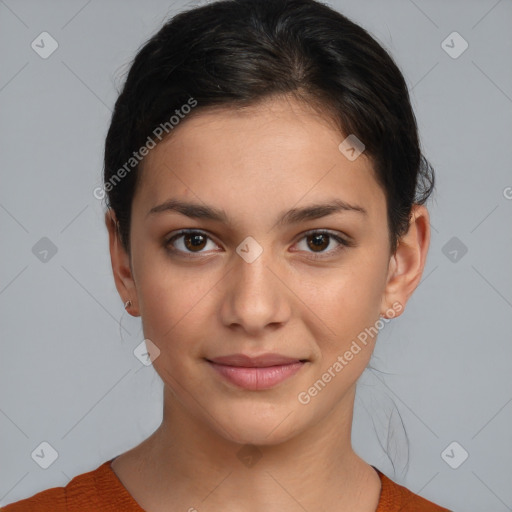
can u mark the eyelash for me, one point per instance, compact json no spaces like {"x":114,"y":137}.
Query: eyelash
{"x":315,"y":256}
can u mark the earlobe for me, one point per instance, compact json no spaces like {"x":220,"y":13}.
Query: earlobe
{"x":408,"y":262}
{"x":121,"y":267}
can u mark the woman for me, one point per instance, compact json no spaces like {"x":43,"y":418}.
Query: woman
{"x":266,"y":217}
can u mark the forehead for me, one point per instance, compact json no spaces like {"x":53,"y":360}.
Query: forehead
{"x":259,"y":157}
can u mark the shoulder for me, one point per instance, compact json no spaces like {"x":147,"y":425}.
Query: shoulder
{"x":395,"y":498}
{"x":98,"y":489}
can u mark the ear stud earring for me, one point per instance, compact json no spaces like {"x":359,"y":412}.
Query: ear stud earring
{"x":127,"y":304}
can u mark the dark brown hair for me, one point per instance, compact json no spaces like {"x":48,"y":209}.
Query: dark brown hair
{"x":237,"y":53}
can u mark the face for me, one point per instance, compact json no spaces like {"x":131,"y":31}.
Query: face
{"x":261,"y":278}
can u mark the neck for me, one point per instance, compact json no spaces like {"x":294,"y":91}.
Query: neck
{"x":188,"y":463}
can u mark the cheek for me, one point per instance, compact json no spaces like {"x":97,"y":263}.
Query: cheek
{"x":161,"y":288}
{"x":168,"y":308}
{"x":349,"y":304}
{"x":356,"y":287}
{"x":175,"y":304}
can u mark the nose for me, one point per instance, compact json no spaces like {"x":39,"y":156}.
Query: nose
{"x":256,"y":297}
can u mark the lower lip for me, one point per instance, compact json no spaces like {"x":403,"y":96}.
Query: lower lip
{"x":257,"y":378}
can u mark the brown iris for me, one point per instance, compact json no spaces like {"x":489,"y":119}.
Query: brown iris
{"x":197,"y":240}
{"x":317,"y":238}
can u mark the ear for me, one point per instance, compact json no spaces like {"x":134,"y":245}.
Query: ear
{"x":407,"y":263}
{"x":121,"y":265}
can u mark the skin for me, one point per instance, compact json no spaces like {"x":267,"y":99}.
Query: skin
{"x":255,"y":164}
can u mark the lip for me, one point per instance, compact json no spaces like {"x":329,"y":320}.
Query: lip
{"x":256,"y":373}
{"x":263,"y":360}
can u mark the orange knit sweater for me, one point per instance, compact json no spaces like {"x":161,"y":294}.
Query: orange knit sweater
{"x":100,"y":490}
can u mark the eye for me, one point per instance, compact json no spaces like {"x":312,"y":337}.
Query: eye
{"x":192,"y":242}
{"x":320,"y":240}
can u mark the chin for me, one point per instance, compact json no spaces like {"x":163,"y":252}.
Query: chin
{"x":250,"y":426}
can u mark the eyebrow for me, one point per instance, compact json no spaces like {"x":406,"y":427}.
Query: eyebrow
{"x":293,"y":216}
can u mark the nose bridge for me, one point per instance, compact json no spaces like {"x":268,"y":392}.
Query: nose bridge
{"x":253,"y":276}
{"x":256,"y":295}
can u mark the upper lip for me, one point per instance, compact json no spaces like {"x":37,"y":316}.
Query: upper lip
{"x":256,"y":361}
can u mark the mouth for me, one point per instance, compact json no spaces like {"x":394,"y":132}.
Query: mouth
{"x":256,"y":373}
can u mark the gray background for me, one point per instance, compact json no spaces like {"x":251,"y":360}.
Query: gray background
{"x":67,"y":372}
